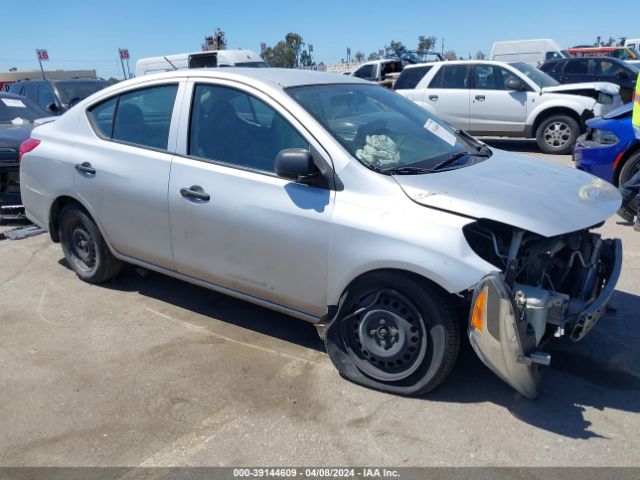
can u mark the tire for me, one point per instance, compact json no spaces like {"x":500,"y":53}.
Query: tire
{"x":395,"y":334}
{"x":84,"y":247}
{"x":629,"y":169}
{"x":557,"y":134}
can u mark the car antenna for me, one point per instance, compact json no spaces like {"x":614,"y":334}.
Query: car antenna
{"x":169,"y":62}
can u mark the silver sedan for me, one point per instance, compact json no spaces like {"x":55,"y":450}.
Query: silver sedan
{"x":335,"y":201}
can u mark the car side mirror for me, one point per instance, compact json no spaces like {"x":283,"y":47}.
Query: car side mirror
{"x":296,"y":164}
{"x":622,"y":76}
{"x":514,"y":84}
{"x":53,"y":107}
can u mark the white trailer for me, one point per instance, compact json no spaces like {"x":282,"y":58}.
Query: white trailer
{"x":532,"y":52}
{"x":209,"y":59}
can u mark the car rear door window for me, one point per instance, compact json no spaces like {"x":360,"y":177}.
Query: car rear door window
{"x":235,"y":128}
{"x":143,"y":117}
{"x":577,"y":67}
{"x":410,"y":77}
{"x":451,"y":76}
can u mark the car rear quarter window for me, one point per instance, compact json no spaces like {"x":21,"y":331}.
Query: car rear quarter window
{"x":410,"y":77}
{"x":237,"y":129}
{"x":101,"y":117}
{"x":451,"y":76}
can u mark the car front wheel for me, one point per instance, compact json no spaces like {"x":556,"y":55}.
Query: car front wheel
{"x":84,"y":248}
{"x":557,"y":134}
{"x":394,"y":334}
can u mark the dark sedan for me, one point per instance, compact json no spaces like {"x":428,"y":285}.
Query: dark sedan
{"x":17,"y":115}
{"x":605,"y":69}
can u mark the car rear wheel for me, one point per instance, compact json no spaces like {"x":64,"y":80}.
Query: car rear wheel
{"x":84,"y":248}
{"x":394,"y":334}
{"x":557,"y":134}
{"x":629,"y":169}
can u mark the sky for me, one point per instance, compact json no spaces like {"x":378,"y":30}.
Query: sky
{"x":87,"y":34}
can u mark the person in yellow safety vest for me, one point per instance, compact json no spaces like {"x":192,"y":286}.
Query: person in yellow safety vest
{"x":630,"y":190}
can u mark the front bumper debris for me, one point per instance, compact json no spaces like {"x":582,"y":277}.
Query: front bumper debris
{"x":587,"y":319}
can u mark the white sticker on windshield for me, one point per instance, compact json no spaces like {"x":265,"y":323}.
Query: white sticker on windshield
{"x":440,"y":131}
{"x":13,"y":102}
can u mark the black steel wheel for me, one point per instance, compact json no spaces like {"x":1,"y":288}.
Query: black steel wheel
{"x":84,"y":248}
{"x":386,"y":335}
{"x":394,"y":332}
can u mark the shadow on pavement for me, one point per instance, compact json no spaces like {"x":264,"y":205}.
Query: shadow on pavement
{"x":221,"y":307}
{"x":602,"y":371}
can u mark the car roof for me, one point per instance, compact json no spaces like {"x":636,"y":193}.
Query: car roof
{"x":458,"y":62}
{"x":57,"y":80}
{"x":283,"y":77}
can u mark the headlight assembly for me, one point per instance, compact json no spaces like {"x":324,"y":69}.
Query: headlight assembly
{"x":603,"y":137}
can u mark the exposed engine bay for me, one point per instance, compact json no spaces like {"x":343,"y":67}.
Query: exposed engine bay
{"x":560,"y":282}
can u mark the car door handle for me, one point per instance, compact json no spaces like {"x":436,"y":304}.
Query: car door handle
{"x":480,"y":98}
{"x":85,"y":167}
{"x":195,"y":191}
{"x":433,"y":97}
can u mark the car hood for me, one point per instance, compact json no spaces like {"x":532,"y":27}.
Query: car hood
{"x":605,"y":87}
{"x":13,"y":135}
{"x":524,"y":192}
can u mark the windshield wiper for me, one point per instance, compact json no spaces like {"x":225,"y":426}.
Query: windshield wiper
{"x":406,"y":171}
{"x":450,"y":160}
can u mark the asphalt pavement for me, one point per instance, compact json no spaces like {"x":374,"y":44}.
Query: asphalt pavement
{"x":147,"y":370}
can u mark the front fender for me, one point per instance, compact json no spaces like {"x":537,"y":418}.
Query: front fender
{"x":577,"y":107}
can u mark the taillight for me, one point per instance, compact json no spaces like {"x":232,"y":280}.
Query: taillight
{"x":27,"y":146}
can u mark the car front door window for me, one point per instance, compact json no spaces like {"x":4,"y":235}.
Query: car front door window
{"x":237,"y":129}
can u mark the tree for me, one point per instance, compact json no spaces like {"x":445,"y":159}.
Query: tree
{"x":425,"y":45}
{"x":450,"y":55}
{"x":295,"y":42}
{"x":359,"y":56}
{"x":393,"y":47}
{"x":112,"y":80}
{"x":286,"y":53}
{"x":480,"y":55}
{"x":305,"y":59}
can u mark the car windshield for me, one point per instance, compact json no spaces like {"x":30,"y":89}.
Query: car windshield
{"x":18,"y":110}
{"x":76,"y":90}
{"x":384,"y":130}
{"x":537,"y":76}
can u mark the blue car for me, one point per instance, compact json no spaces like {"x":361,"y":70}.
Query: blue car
{"x":609,"y":148}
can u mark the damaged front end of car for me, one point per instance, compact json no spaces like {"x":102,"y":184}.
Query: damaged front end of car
{"x":545,"y":287}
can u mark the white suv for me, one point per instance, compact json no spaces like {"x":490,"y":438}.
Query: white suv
{"x":507,"y":99}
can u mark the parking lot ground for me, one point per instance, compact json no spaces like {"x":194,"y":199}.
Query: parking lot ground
{"x":148,"y":370}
